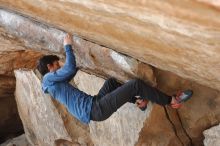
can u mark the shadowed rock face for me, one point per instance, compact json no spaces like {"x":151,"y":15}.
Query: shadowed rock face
{"x":19,"y":36}
{"x":170,"y":35}
{"x":13,"y":55}
{"x":10,"y":123}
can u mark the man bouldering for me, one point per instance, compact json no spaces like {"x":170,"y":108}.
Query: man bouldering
{"x":110,"y":97}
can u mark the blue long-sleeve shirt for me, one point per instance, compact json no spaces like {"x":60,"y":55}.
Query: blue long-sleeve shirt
{"x":57,"y":85}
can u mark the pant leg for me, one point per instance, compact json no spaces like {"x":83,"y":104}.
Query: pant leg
{"x":109,"y":85}
{"x":152,"y":94}
{"x":108,"y":104}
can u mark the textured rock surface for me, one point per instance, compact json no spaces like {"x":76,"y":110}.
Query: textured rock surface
{"x":18,"y":141}
{"x":197,"y":114}
{"x":88,"y":83}
{"x":90,"y":56}
{"x":171,"y":35}
{"x":78,"y":132}
{"x":158,"y":130}
{"x":42,"y":123}
{"x":212,"y":136}
{"x":15,"y":54}
{"x":122,"y":128}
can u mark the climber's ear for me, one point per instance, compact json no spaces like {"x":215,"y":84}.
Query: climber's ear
{"x":49,"y":66}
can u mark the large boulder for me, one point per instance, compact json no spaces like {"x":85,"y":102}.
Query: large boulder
{"x":10,"y":123}
{"x":42,"y":123}
{"x":170,"y":35}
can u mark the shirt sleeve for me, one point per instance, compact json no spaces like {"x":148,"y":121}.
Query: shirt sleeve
{"x":66,"y":72}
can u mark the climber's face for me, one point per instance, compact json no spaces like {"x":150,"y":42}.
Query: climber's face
{"x":53,"y":67}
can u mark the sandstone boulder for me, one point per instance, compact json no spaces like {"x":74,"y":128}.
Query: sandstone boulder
{"x":42,"y":123}
{"x":170,"y":35}
{"x":90,"y":56}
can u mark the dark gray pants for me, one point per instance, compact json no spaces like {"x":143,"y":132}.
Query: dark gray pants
{"x":113,"y":95}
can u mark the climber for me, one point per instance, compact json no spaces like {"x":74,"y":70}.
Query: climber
{"x":110,"y":97}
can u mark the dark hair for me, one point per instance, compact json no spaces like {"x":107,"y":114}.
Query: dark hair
{"x":44,"y":61}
